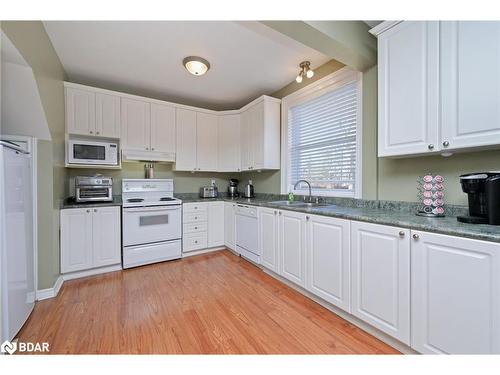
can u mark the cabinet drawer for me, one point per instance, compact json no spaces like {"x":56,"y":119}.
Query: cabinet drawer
{"x":195,"y":207}
{"x":194,"y":227}
{"x":194,"y":217}
{"x":191,"y":242}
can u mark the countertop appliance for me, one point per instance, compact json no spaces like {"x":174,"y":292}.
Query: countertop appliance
{"x":249,"y":192}
{"x":16,"y":235}
{"x":209,"y":192}
{"x":483,"y":190}
{"x":92,"y":152}
{"x":151,"y":222}
{"x":247,"y":243}
{"x":232,"y":189}
{"x":93,"y":189}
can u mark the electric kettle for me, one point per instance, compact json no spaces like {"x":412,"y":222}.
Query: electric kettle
{"x":248,"y":192}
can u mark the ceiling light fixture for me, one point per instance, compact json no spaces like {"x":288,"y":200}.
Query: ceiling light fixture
{"x":305,"y":70}
{"x":195,"y":65}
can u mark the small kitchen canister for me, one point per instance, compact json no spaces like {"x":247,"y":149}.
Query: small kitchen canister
{"x":430,"y":195}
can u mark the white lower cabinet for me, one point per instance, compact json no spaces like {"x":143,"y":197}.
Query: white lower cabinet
{"x":202,"y":225}
{"x":230,"y":225}
{"x":215,"y":224}
{"x":381,"y":277}
{"x":328,"y":259}
{"x":268,"y":238}
{"x":455,"y":295}
{"x":90,"y":238}
{"x":292,"y":241}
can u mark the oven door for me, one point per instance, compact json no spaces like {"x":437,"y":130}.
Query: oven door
{"x":142,"y":225}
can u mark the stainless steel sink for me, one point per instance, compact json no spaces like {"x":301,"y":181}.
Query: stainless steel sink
{"x":299,"y":204}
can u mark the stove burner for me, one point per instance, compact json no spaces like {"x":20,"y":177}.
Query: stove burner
{"x":135,"y":200}
{"x":164,"y":199}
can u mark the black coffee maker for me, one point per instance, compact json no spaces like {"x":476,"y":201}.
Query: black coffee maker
{"x":483,"y":190}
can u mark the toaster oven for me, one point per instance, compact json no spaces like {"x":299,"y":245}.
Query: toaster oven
{"x":93,"y":189}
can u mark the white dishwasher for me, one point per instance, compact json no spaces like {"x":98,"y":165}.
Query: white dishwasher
{"x":247,"y":232}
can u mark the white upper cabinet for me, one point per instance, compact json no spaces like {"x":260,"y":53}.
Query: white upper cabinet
{"x":107,"y":109}
{"x":185,"y":159}
{"x":206,"y":141}
{"x":229,"y":143}
{"x":455,"y":295}
{"x":136,"y":119}
{"x":408,"y":68}
{"x":80,"y":111}
{"x":163,"y":128}
{"x":381,"y":277}
{"x":260,"y":134}
{"x":439,"y":86}
{"x":470,"y":76}
{"x":328,"y":259}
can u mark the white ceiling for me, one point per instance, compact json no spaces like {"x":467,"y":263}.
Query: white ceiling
{"x":247,"y":59}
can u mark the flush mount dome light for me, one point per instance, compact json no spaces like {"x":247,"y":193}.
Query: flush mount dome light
{"x":195,"y":65}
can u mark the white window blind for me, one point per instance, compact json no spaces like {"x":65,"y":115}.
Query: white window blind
{"x":322,"y":141}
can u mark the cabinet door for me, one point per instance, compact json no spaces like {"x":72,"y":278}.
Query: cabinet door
{"x":215,"y":224}
{"x":470,"y":71}
{"x":76,"y":239}
{"x":229,"y":225}
{"x":245,"y":141}
{"x":328,"y":259}
{"x":229,"y":143}
{"x":106,"y":234}
{"x":185,"y":130}
{"x":268,"y":238}
{"x":162,"y":128}
{"x":381,"y":278}
{"x":455,"y":295}
{"x":292,"y":246}
{"x":408,"y":89}
{"x":257,"y":126}
{"x":206,"y":142}
{"x":107,"y":109}
{"x":80,"y":111}
{"x":136,"y":125}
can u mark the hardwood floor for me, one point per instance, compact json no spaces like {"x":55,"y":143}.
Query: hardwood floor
{"x":215,"y":303}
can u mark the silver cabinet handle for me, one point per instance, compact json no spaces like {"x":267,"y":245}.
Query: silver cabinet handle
{"x":401,"y":233}
{"x":416,"y":236}
{"x":196,"y":218}
{"x":430,"y":147}
{"x":280,"y":212}
{"x":91,"y":132}
{"x":446,"y":143}
{"x":97,"y":132}
{"x":275,"y":212}
{"x":95,"y":209}
{"x":152,"y":148}
{"x":88,"y":211}
{"x":307,"y":218}
{"x":147,"y":148}
{"x":195,"y":241}
{"x":195,"y":227}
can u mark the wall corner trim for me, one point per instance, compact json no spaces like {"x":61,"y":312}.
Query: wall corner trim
{"x":50,"y":292}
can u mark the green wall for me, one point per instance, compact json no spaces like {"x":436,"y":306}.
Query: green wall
{"x":31,"y":40}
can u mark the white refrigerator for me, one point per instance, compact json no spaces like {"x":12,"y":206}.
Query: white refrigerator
{"x":16,"y":237}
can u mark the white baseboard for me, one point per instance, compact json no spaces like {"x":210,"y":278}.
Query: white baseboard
{"x":396,"y":344}
{"x":50,"y":292}
{"x":91,"y":272}
{"x":204,"y":251}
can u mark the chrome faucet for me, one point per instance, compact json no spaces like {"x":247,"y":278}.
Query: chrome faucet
{"x":308,"y":184}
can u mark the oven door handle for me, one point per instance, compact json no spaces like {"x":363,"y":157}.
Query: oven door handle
{"x":151,"y":209}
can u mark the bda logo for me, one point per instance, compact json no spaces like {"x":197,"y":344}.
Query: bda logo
{"x":8,"y":347}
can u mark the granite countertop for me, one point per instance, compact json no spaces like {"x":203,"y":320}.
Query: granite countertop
{"x":391,"y":215}
{"x":71,"y":203}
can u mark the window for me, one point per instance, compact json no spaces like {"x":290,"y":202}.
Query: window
{"x":321,"y":136}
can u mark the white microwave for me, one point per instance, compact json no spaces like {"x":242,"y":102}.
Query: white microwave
{"x":92,"y":152}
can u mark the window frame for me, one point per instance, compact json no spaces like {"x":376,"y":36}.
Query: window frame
{"x":323,"y":86}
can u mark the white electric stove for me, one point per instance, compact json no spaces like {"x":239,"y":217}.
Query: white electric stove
{"x":152,"y":222}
